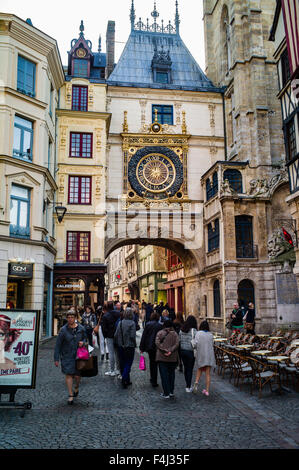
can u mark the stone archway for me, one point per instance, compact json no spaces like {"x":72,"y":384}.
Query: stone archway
{"x":189,"y":258}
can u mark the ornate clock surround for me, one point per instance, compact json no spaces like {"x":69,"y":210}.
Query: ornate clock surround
{"x":155,"y":166}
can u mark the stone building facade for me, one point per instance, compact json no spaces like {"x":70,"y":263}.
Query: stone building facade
{"x":31,"y":75}
{"x":249,"y":202}
{"x":82,"y":130}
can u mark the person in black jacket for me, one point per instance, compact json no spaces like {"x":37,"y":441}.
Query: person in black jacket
{"x":147,"y":344}
{"x":108,"y":329}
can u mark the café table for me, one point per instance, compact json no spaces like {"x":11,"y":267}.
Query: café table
{"x":275,"y":337}
{"x":220,"y":340}
{"x":262,"y":335}
{"x":245,"y":346}
{"x":277,"y":360}
{"x":262,"y":352}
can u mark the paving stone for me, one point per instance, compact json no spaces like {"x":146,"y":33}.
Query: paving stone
{"x":112,"y":418}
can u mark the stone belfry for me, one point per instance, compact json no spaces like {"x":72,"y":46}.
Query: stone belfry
{"x":239,"y":56}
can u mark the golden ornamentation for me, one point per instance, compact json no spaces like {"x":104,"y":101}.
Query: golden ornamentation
{"x":125,"y":124}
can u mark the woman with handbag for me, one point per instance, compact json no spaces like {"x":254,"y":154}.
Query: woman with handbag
{"x":187,"y":336}
{"x":71,"y":337}
{"x":249,"y":319}
{"x":125,"y":340}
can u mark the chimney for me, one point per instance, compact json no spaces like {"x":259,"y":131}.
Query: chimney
{"x":110,"y":47}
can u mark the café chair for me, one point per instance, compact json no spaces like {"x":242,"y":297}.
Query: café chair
{"x":262,"y":374}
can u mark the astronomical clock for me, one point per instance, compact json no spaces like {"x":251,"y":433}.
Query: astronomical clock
{"x":155,"y":165}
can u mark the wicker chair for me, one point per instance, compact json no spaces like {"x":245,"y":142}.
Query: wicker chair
{"x":262,"y":374}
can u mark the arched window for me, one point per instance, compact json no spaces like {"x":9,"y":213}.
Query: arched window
{"x":213,"y":236}
{"x":226,"y":34}
{"x":244,"y":236}
{"x":234,"y":178}
{"x":216,"y":297}
{"x":245,"y":293}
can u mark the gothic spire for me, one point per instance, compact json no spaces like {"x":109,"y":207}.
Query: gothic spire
{"x":132,"y":15}
{"x":177,"y":17}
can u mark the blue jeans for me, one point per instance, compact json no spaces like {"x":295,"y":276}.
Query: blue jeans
{"x":167,"y":373}
{"x":126,"y":358}
{"x":188,"y":361}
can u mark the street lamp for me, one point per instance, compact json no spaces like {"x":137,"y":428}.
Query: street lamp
{"x":60,"y":211}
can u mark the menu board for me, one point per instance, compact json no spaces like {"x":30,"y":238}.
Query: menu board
{"x":19,"y":336}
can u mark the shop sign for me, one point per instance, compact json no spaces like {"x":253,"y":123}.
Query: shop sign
{"x":22,"y":270}
{"x":19,"y":332}
{"x":70,"y":284}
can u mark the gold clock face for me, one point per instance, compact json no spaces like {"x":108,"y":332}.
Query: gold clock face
{"x":81,"y":52}
{"x":156,"y":173}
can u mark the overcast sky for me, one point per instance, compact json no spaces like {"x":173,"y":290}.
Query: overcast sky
{"x":61,"y":20}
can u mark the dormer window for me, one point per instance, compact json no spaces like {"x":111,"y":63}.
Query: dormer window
{"x":161,"y":67}
{"x":80,"y":56}
{"x":80,"y":68}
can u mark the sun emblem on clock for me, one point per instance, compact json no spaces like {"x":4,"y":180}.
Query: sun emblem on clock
{"x":155,"y":172}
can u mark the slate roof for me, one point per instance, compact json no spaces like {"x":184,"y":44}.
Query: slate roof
{"x":134,"y":66}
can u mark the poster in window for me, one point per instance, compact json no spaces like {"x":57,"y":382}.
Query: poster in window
{"x":19,"y":333}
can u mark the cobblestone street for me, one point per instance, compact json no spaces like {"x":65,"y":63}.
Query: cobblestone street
{"x":138,"y":418}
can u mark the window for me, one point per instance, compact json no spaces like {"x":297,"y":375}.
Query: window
{"x":19,"y":211}
{"x":79,"y":190}
{"x":212,"y":190}
{"x":244,"y":236}
{"x":245,"y":293}
{"x":165,"y":114}
{"x":79,"y":98}
{"x":23,"y":138}
{"x":162,"y":77}
{"x":216,"y":298}
{"x":78,"y":246}
{"x":80,"y":68}
{"x":26,"y":76}
{"x":234,"y":178}
{"x":213,"y":236}
{"x":291,"y":146}
{"x":81,"y":145}
{"x":285,"y":68}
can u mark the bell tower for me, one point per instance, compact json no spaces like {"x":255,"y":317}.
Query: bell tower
{"x":239,"y":56}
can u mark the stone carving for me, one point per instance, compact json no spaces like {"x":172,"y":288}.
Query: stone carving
{"x":265,"y":188}
{"x":259,"y":187}
{"x":277,"y":244}
{"x":226,"y":189}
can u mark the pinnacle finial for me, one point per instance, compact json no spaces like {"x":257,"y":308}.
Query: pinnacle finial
{"x":177,"y":17}
{"x":81,"y":29}
{"x":100,"y":43}
{"x":155,"y":13}
{"x":132,"y":15}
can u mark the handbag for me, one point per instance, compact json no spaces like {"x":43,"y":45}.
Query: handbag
{"x":94,"y":369}
{"x":95,"y":340}
{"x":83,"y":364}
{"x":249,"y":326}
{"x":142,"y":365}
{"x":82,"y":353}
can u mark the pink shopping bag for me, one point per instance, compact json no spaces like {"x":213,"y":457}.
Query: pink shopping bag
{"x":142,"y":365}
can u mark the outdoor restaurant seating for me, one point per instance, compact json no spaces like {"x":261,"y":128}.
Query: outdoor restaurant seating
{"x":260,"y":359}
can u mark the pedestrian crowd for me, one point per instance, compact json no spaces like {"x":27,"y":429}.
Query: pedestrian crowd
{"x":169,"y":340}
